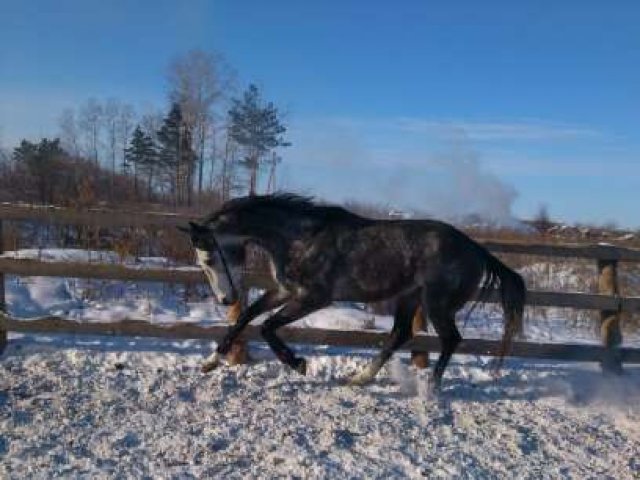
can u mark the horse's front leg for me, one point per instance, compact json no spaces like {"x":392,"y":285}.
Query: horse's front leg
{"x":268,"y":301}
{"x":292,"y":311}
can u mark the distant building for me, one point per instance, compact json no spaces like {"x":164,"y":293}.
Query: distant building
{"x":400,"y":215}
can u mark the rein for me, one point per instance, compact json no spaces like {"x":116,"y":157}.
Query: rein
{"x":227,"y":271}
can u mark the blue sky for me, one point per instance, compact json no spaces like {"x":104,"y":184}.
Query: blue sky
{"x":442,"y":106}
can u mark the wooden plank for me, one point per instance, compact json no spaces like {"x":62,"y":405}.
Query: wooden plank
{"x":586,"y":301}
{"x":36,"y":268}
{"x":192,"y":275}
{"x":602,"y":252}
{"x":105,"y":271}
{"x":610,"y":331}
{"x":116,"y":218}
{"x":92,"y":217}
{"x":315,"y":336}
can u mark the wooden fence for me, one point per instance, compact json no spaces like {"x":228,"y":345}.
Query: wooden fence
{"x":608,"y":299}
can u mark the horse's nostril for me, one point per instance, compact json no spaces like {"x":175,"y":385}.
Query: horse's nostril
{"x":225,"y":301}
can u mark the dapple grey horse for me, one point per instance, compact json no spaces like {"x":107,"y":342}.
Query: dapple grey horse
{"x":320,"y":254}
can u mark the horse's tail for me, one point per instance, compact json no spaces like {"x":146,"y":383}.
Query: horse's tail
{"x":512,"y":291}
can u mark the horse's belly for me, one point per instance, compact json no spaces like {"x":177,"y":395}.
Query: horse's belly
{"x":372,"y":284}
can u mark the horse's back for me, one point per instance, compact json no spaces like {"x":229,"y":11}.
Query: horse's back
{"x":383,"y":258}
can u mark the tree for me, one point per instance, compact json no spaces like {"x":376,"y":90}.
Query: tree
{"x":197,"y":83}
{"x":125,"y":123}
{"x":542,"y":221}
{"x":42,"y":162}
{"x":111,"y":112}
{"x":90,"y":123}
{"x":141,"y":156}
{"x":257,"y":128}
{"x":176,"y":154}
{"x":69,"y":135}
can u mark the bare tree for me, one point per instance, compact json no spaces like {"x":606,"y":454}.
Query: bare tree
{"x":198,"y":82}
{"x":69,"y":134}
{"x":90,"y":123}
{"x":111,"y":113}
{"x":228,"y":163}
{"x":542,"y":221}
{"x":5,"y":157}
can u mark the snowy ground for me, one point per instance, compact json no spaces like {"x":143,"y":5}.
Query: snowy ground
{"x":104,"y":407}
{"x":129,"y":408}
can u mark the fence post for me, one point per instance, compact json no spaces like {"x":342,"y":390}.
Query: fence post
{"x":3,"y":306}
{"x":610,"y":319}
{"x":238,"y":353}
{"x":419,"y":359}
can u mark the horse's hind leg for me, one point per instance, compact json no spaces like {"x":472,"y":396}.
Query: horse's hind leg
{"x":291,"y":312}
{"x":443,"y":320}
{"x":401,"y":332}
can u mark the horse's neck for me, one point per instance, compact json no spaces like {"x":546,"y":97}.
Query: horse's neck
{"x":278,"y":239}
{"x":272,"y":243}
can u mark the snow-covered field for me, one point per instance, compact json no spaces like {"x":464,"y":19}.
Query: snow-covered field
{"x":105,"y":407}
{"x":126,"y":408}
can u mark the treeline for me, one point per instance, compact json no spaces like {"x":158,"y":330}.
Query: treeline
{"x":206,"y":142}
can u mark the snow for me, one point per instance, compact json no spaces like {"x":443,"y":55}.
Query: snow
{"x":132,"y":408}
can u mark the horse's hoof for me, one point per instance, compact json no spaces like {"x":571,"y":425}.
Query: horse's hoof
{"x":435,"y":389}
{"x":364,"y":377}
{"x":359,"y":380}
{"x":301,"y":366}
{"x":210,"y":363}
{"x":208,"y":367}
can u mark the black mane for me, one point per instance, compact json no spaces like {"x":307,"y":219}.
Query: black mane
{"x":290,"y":203}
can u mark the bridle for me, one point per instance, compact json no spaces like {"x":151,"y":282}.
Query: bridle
{"x":225,"y":265}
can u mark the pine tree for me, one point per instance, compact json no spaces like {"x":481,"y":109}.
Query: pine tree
{"x":142,"y":157}
{"x":256,"y":127}
{"x":176,"y":154}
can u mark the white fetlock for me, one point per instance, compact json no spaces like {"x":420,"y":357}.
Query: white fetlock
{"x":364,"y":377}
{"x":210,"y":363}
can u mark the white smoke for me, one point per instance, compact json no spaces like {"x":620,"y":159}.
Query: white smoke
{"x":402,"y":376}
{"x":469,"y":190}
{"x":383,"y":164}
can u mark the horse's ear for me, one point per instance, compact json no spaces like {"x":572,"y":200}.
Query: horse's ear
{"x":192,"y":228}
{"x":199,"y":228}
{"x":184,"y":229}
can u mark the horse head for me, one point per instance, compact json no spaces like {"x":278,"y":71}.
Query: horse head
{"x":221,"y":257}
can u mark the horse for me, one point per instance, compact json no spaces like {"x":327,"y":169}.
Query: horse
{"x":320,"y":253}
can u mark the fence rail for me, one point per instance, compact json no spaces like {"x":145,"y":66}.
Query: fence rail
{"x":608,"y":301}
{"x":91,"y":217}
{"x":192,"y":275}
{"x":97,"y":217}
{"x":316,"y":336}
